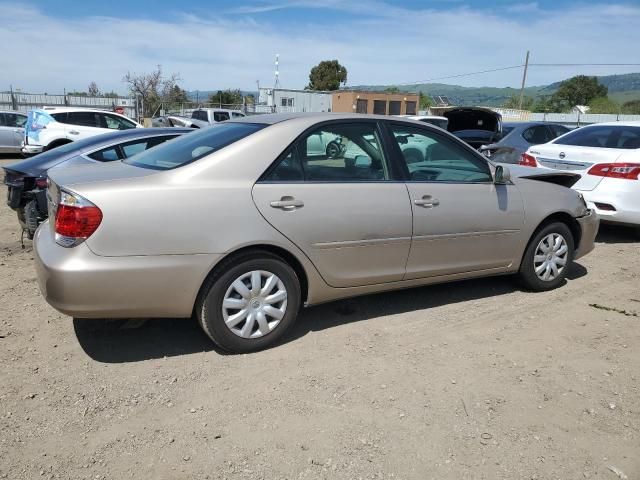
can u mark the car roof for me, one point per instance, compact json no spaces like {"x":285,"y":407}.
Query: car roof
{"x":13,"y":111}
{"x":313,"y":118}
{"x":623,"y":123}
{"x":56,"y":109}
{"x":422,"y":117}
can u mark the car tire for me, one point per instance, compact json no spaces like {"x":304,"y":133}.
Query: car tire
{"x":547,"y":258}
{"x":234,"y":317}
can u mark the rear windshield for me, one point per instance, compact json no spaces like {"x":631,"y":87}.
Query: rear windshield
{"x":506,"y":130}
{"x":603,"y":136}
{"x":194,"y":146}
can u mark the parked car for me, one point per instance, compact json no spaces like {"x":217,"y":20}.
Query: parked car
{"x":178,"y":121}
{"x":215,"y":115}
{"x":436,"y":120}
{"x":11,"y":131}
{"x":52,"y":127}
{"x":239,"y":226}
{"x":477,"y":126}
{"x":517,"y":137}
{"x":607,"y":156}
{"x":26,"y":180}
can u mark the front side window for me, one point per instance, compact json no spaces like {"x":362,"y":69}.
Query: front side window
{"x":200,"y":115}
{"x":221,"y":116}
{"x":118,"y":123}
{"x":430,"y":157}
{"x":194,"y":146}
{"x":558,"y":130}
{"x":84,"y":119}
{"x":334,"y":153}
{"x":603,"y":136}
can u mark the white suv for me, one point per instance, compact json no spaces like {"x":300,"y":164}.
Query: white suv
{"x":51,"y":127}
{"x":215,"y":115}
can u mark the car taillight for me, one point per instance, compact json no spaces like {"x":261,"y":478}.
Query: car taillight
{"x":626,"y":171}
{"x":76,"y":219}
{"x":528,"y":160}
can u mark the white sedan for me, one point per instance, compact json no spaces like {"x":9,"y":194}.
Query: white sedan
{"x":607,"y":156}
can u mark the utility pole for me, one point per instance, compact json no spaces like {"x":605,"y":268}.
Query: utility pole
{"x":524,"y":80}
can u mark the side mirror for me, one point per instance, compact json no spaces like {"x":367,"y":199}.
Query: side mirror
{"x":502,"y":175}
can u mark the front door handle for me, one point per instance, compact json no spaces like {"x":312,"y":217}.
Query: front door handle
{"x":287,"y":203}
{"x":427,"y":201}
{"x":74,"y":132}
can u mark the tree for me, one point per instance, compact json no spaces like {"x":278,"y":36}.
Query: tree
{"x":514,"y":102}
{"x":152,"y":88}
{"x":578,"y":90}
{"x":631,"y":107}
{"x":327,"y":75}
{"x":226,"y":97}
{"x":92,"y":89}
{"x":603,"y":105}
{"x":424,"y":101}
{"x":392,"y":90}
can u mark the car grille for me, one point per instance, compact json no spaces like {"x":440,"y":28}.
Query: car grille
{"x":563,"y":165}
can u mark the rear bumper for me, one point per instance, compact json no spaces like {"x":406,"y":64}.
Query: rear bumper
{"x":622,"y":195}
{"x":589,"y":225}
{"x":79,"y":283}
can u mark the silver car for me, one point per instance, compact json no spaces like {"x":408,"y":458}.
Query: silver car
{"x":11,"y":131}
{"x":242,"y":223}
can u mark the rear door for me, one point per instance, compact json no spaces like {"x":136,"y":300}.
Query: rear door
{"x":81,"y":124}
{"x":462,"y":221}
{"x":349,"y":215}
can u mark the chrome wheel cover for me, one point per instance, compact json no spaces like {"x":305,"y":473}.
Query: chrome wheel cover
{"x":550,"y":257}
{"x":254,"y":304}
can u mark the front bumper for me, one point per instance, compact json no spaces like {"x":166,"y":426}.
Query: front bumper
{"x":32,"y":149}
{"x":77,"y":282}
{"x":589,"y":225}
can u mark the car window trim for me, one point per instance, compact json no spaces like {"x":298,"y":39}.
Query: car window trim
{"x":434,"y":130}
{"x":294,"y":144}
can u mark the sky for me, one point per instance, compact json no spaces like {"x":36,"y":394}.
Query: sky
{"x":50,"y":46}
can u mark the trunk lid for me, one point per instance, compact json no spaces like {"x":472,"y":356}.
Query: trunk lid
{"x":575,"y":159}
{"x":474,"y":125}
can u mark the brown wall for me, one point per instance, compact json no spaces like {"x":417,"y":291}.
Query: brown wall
{"x":347,"y":101}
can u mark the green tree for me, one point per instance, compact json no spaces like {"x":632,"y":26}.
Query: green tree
{"x":514,"y":102}
{"x":327,"y":75}
{"x":392,"y":90}
{"x":603,"y":105}
{"x":631,"y":107}
{"x":578,"y":90}
{"x":226,"y":97}
{"x":93,"y":90}
{"x":424,"y":101}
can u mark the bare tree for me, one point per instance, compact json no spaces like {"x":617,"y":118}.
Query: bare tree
{"x":152,"y":88}
{"x":92,"y":89}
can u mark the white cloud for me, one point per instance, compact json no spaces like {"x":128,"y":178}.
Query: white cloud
{"x":44,"y":53}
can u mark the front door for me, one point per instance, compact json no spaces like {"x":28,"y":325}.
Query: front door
{"x":343,"y":211}
{"x":462,"y":221}
{"x":11,"y":131}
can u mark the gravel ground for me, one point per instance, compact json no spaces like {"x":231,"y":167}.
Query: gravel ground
{"x":468,"y":380}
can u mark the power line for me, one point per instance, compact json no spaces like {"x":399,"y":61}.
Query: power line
{"x":584,"y":64}
{"x":462,"y":75}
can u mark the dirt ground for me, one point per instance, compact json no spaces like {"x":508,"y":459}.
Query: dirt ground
{"x":468,"y":380}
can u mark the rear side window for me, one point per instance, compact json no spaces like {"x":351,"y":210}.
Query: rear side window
{"x":558,"y":130}
{"x":537,"y":134}
{"x":603,"y":136}
{"x":192,"y":147}
{"x":200,"y":115}
{"x":83,"y":119}
{"x":118,"y":123}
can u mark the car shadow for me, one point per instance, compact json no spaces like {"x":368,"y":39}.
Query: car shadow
{"x":609,"y":233}
{"x":122,"y":341}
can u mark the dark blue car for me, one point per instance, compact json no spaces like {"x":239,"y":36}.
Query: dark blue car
{"x":26,"y":180}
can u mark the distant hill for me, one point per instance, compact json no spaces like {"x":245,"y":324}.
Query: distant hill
{"x":622,"y":88}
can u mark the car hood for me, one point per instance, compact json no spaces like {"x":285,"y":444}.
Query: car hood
{"x":565,"y":179}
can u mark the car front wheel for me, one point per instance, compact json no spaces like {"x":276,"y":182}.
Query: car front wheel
{"x":547,"y":258}
{"x":249,"y":303}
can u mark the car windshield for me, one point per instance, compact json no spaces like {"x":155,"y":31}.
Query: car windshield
{"x":194,"y":146}
{"x":603,"y":136}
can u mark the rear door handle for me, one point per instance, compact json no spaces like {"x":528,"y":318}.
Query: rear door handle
{"x":287,"y":203}
{"x":74,"y":132}
{"x":427,"y":201}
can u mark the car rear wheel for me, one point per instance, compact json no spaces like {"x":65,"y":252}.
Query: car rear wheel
{"x":249,"y":303}
{"x":547,"y":258}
